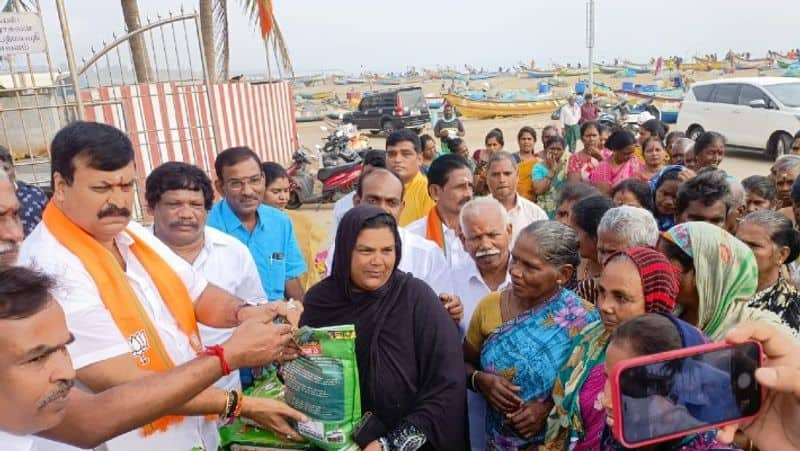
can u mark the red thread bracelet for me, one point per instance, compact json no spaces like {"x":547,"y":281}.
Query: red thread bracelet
{"x":217,"y":351}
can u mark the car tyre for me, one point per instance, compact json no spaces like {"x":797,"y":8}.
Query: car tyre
{"x":780,"y":144}
{"x":294,"y":201}
{"x":387,"y":126}
{"x":694,"y":132}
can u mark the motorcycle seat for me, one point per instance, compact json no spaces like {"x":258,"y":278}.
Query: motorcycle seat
{"x":326,"y":173}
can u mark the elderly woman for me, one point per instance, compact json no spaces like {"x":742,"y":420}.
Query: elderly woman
{"x":645,"y":335}
{"x":775,"y":243}
{"x":550,"y":174}
{"x":718,"y":278}
{"x":586,"y":216}
{"x":677,"y":152}
{"x":625,"y":227}
{"x":637,"y":281}
{"x":519,"y":338}
{"x":407,"y":347}
{"x":709,"y":150}
{"x":621,"y":165}
{"x":784,"y":172}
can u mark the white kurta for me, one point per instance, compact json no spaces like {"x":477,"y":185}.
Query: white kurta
{"x":523,"y":214}
{"x":97,"y":337}
{"x":454,"y":252}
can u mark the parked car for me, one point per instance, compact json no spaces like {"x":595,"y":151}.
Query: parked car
{"x":759,"y":113}
{"x":391,"y":110}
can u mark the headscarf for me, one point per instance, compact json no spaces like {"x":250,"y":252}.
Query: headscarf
{"x":664,"y":222}
{"x":377,"y":315}
{"x":726,"y":275}
{"x":660,"y":288}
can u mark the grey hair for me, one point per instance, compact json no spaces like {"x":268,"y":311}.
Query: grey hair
{"x":635,"y":225}
{"x":780,"y":230}
{"x":557,"y":243}
{"x":787,"y":163}
{"x":737,"y":191}
{"x":480,"y":205}
{"x":686,"y":144}
{"x":500,"y":156}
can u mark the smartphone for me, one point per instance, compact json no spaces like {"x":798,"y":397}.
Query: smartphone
{"x":662,"y":397}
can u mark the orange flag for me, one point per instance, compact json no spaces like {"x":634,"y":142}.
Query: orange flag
{"x":265,"y":17}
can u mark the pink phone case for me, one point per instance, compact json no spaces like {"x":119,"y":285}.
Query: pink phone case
{"x":655,"y":358}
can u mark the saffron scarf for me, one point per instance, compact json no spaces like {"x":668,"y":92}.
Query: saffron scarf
{"x":434,"y":230}
{"x":119,"y":298}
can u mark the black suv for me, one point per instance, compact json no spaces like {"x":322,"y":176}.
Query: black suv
{"x":390,"y":110}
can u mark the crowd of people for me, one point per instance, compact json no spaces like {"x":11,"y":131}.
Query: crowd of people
{"x":491,"y":293}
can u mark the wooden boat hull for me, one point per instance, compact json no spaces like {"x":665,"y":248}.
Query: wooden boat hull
{"x":642,"y":95}
{"x":573,"y":72}
{"x":540,"y":73}
{"x":484,"y":109}
{"x":743,"y":64}
{"x":609,"y":69}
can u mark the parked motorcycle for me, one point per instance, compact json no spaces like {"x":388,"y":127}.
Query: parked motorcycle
{"x":628,"y":117}
{"x":337,"y":179}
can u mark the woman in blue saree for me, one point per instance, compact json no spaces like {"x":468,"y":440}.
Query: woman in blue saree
{"x":518,"y":339}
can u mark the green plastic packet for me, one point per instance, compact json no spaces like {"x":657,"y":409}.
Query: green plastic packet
{"x":323,"y":384}
{"x":244,"y":435}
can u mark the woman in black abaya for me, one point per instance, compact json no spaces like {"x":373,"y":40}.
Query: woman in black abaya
{"x":408,"y":349}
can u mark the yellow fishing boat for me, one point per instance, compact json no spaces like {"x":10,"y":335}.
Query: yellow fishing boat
{"x":485,"y":109}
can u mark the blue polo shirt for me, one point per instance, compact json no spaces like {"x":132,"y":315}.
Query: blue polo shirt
{"x":272,"y":244}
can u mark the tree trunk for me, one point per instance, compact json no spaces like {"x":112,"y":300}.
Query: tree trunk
{"x":225,"y":57}
{"x":141,"y":59}
{"x":206,"y":12}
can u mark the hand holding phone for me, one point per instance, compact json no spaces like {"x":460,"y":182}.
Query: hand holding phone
{"x":778,"y":425}
{"x":665,"y":396}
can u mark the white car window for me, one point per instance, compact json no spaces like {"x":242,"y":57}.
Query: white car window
{"x":750,"y":93}
{"x":727,"y":93}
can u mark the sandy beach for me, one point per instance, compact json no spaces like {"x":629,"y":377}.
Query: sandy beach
{"x":740,"y":163}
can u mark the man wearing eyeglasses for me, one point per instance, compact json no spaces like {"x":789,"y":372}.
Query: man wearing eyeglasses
{"x":266,"y":231}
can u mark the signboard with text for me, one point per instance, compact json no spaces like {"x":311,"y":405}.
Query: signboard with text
{"x":21,"y":33}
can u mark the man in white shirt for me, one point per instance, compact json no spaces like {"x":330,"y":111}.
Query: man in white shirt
{"x":373,"y":159}
{"x":37,"y":374}
{"x":111,"y":275}
{"x":179,"y":196}
{"x":450,"y":184}
{"x":570,"y":120}
{"x":486,"y":231}
{"x":502,"y":177}
{"x":418,"y":256}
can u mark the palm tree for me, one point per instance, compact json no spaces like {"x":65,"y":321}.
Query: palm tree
{"x":139,"y":55}
{"x":214,"y":29}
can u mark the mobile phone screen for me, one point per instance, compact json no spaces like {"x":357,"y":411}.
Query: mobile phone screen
{"x":672,"y":396}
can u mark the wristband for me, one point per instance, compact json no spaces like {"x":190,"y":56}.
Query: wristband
{"x":472,"y":380}
{"x":217,"y":351}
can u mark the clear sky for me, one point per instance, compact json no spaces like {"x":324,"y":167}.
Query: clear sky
{"x":392,"y":35}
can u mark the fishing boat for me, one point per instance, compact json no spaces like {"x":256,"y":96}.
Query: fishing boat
{"x":434,"y":101}
{"x":485,"y":109}
{"x":744,"y":64}
{"x":783,"y":61}
{"x":609,"y":69}
{"x":572,"y":72}
{"x":639,"y":68}
{"x":667,"y":95}
{"x":540,"y":73}
{"x":324,"y":95}
{"x":711,"y":64}
{"x":388,"y":81}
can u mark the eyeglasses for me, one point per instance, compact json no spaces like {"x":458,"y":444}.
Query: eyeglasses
{"x":255,"y":181}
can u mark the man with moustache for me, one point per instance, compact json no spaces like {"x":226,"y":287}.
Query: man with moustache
{"x":450,"y":185}
{"x":125,"y":294}
{"x":486,"y":233}
{"x":266,"y":231}
{"x":502,"y":177}
{"x":179,"y":196}
{"x":38,"y":377}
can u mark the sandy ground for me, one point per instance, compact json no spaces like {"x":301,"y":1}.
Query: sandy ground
{"x":739,"y":163}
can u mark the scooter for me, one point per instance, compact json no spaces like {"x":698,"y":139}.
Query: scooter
{"x":336,"y":180}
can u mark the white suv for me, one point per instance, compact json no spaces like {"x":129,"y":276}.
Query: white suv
{"x":761,"y":113}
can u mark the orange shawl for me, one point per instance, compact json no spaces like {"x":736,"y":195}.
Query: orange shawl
{"x":119,"y":298}
{"x":434,"y":229}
